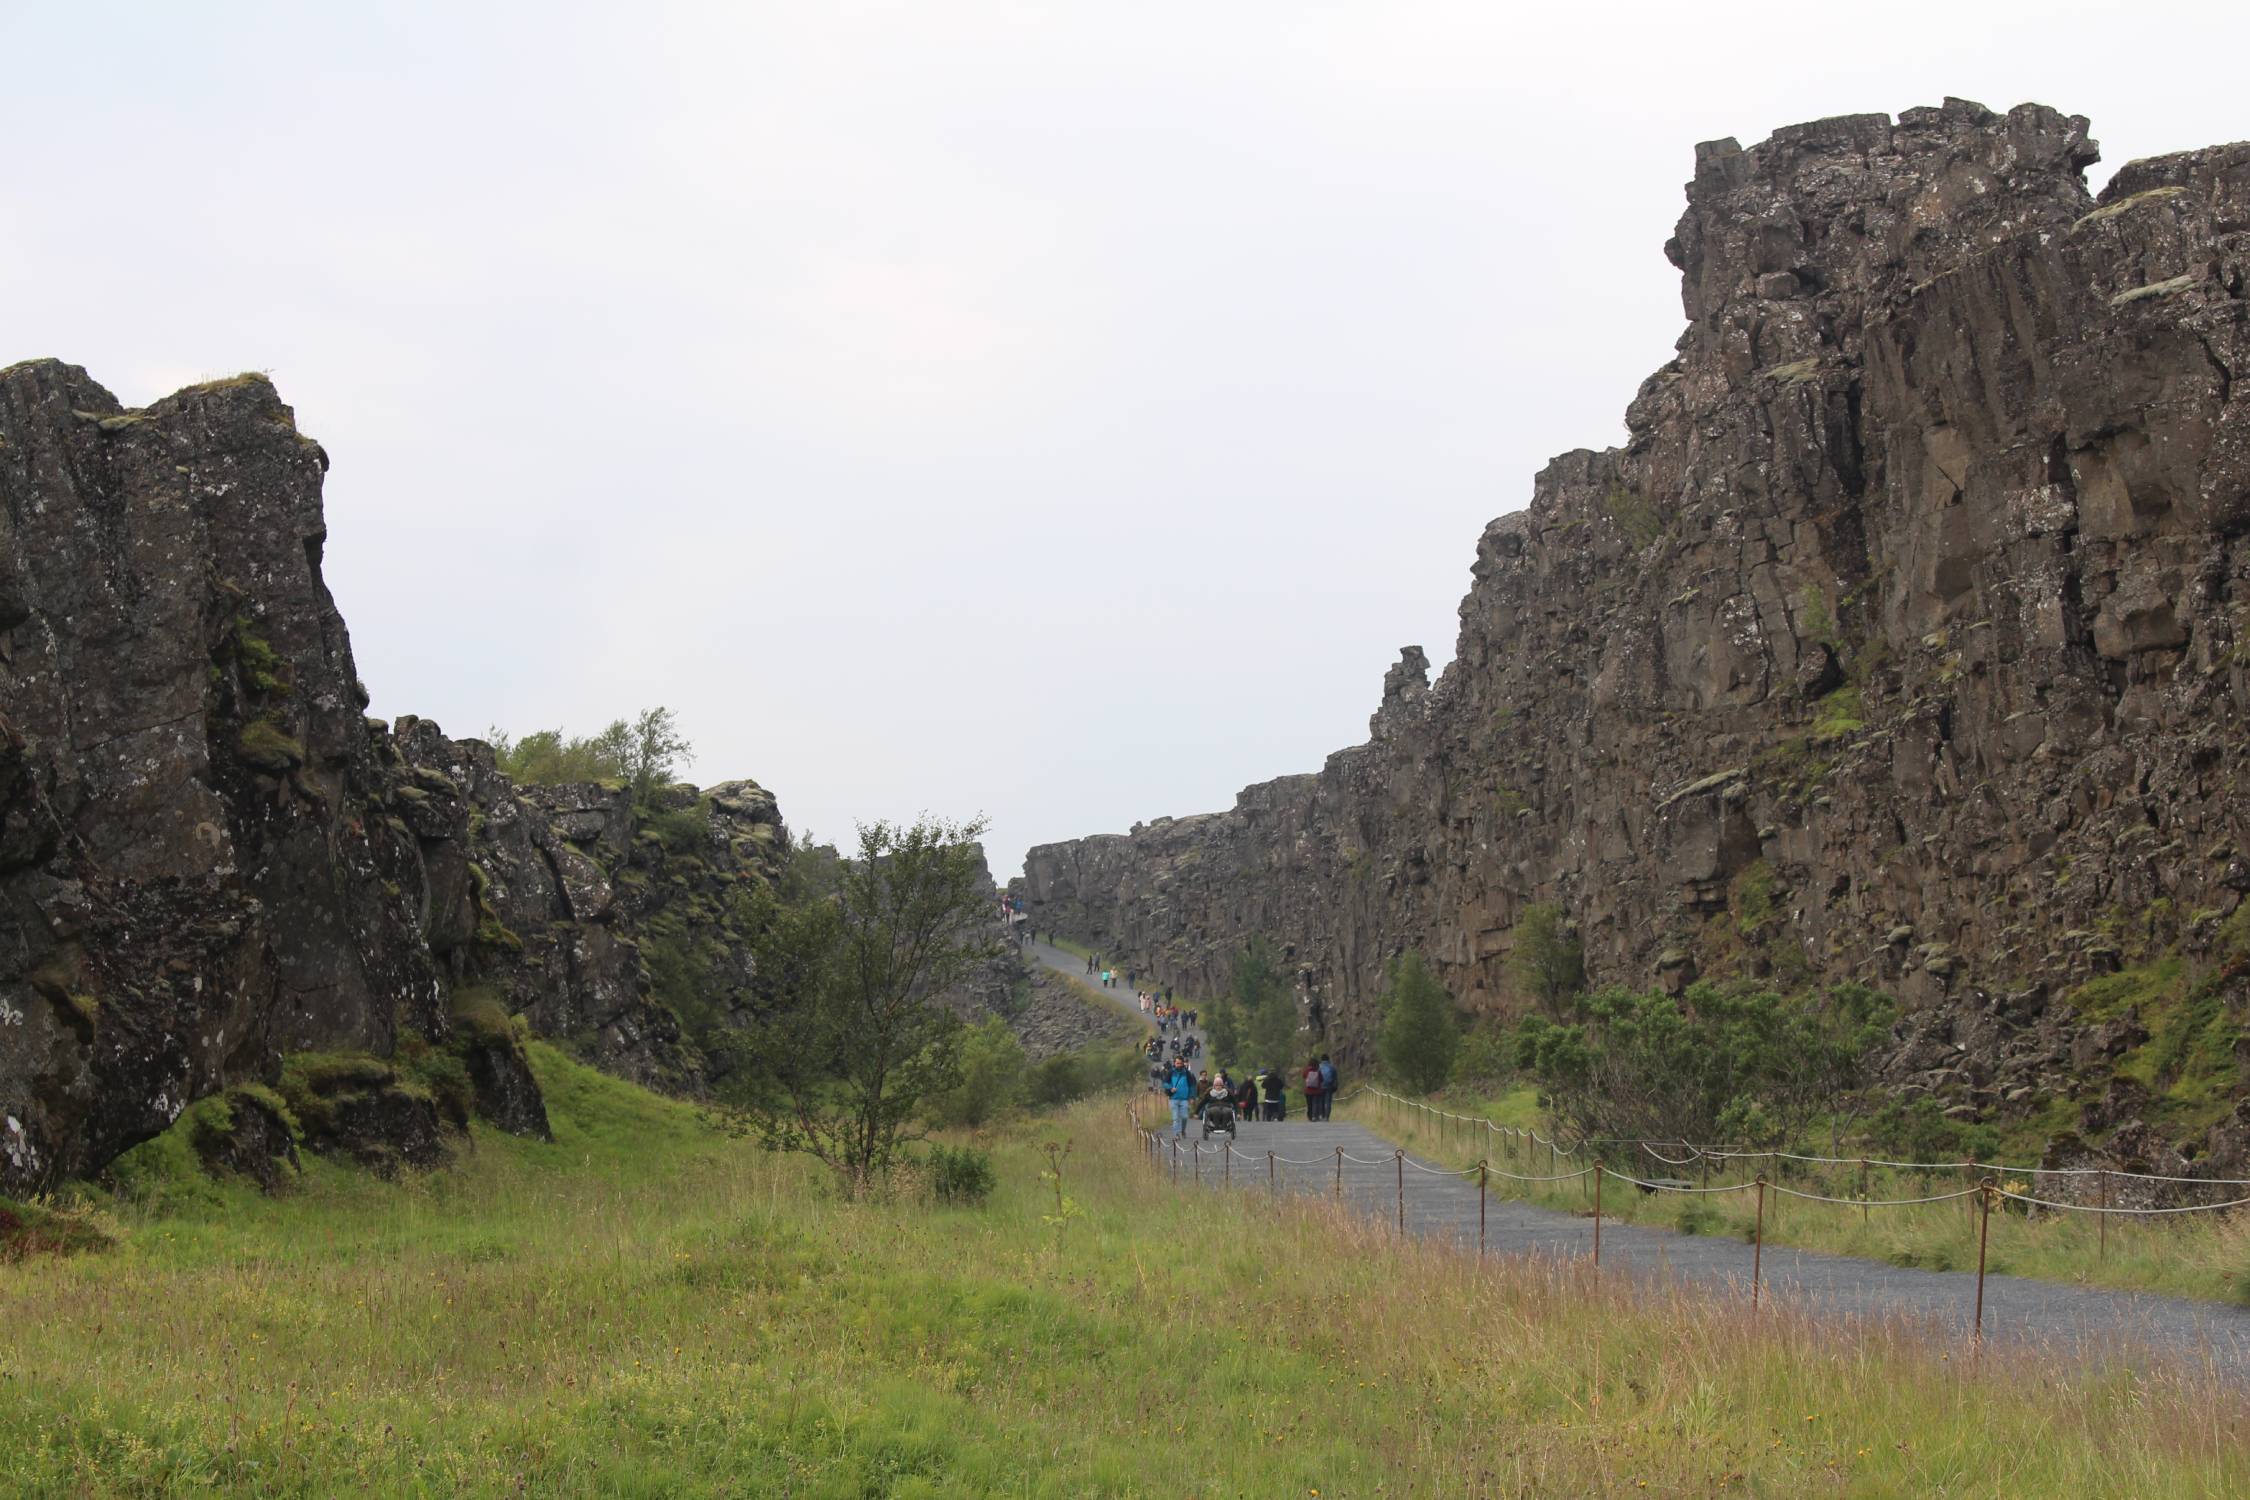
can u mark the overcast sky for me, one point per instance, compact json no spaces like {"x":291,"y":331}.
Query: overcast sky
{"x":1062,"y":412}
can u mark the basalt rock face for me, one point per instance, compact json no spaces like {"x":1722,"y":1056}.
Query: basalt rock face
{"x":210,"y":857}
{"x":1902,"y":640}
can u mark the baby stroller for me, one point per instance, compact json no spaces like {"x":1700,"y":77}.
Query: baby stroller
{"x":1218,"y":1112}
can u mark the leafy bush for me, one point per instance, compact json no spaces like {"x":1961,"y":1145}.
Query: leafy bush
{"x":1547,"y":960}
{"x":644,"y":753}
{"x":1487,"y":1056}
{"x":960,"y":1175}
{"x":1917,"y":1130}
{"x":1648,"y":1066}
{"x":992,"y":1078}
{"x":1419,"y":1036}
{"x":1055,"y":1080}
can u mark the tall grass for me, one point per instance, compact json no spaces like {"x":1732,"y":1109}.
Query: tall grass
{"x":649,"y":1308}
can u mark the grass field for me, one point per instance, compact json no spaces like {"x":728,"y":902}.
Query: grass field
{"x":649,"y":1308}
{"x":2185,"y":1255}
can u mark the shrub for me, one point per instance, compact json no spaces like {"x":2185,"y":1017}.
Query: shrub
{"x":1721,"y":1059}
{"x":1055,"y":1080}
{"x":992,"y":1075}
{"x":960,"y":1175}
{"x":1547,"y":959}
{"x":1419,"y":1035}
{"x":1486,"y":1058}
{"x":644,"y":752}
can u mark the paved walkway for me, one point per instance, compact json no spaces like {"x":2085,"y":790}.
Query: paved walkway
{"x":1443,"y":1204}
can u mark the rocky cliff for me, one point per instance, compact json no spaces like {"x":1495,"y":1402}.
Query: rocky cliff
{"x":1902,"y":640}
{"x":211,"y":858}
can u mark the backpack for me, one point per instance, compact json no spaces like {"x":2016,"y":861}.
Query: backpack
{"x":1313,"y":1079}
{"x":1327,"y":1077}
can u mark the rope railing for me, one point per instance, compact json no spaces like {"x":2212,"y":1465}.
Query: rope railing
{"x":1697,"y":1154}
{"x":1987,"y":1192}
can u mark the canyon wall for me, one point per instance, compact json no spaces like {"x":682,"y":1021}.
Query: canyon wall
{"x":210,"y":857}
{"x":1902,"y":640}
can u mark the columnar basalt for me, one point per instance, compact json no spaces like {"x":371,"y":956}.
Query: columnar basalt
{"x":1901,"y":641}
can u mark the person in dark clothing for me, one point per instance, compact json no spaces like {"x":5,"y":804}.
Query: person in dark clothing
{"x":1271,"y":1092}
{"x":1327,"y":1086}
{"x":1246,"y":1099}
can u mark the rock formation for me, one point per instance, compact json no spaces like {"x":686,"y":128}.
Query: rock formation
{"x":1903,"y":640}
{"x":210,"y":857}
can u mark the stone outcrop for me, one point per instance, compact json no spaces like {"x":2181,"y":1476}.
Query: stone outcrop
{"x":1902,"y":641}
{"x":210,"y":858}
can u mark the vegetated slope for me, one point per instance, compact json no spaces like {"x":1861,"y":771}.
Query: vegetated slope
{"x":1902,"y":641}
{"x":648,"y":1306}
{"x":210,"y":857}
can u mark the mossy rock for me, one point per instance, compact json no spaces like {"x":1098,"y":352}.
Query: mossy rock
{"x":249,"y":1131}
{"x":381,"y":1115}
{"x":264,"y":745}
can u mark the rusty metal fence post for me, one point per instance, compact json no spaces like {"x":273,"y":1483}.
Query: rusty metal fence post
{"x":1481,"y":1172}
{"x":1758,"y":1245}
{"x":1226,"y":1164}
{"x":2101,"y":1251}
{"x":1398,"y":1159}
{"x":1273,"y":1185}
{"x":1985,"y":1192}
{"x":1599,"y":1173}
{"x":1339,"y":1174}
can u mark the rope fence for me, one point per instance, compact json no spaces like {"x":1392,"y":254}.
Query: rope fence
{"x":1165,"y":1152}
{"x":2106,"y":1183}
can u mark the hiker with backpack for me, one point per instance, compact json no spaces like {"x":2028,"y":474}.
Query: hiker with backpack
{"x":1180,"y":1088}
{"x":1312,"y":1089}
{"x":1327,"y":1086}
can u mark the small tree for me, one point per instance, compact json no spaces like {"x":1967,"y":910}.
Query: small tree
{"x":1548,"y":961}
{"x":645,"y":753}
{"x":858,"y":1043}
{"x":654,"y":750}
{"x":1420,"y":1034}
{"x":1254,"y":1025}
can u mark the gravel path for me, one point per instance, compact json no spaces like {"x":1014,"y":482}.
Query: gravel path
{"x":2173,"y":1330}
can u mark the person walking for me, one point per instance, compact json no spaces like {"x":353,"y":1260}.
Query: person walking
{"x":1180,"y":1088}
{"x":1312,"y":1089}
{"x":1270,"y":1093}
{"x":1327,"y":1086}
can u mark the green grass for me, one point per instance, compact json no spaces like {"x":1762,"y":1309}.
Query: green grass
{"x":2205,"y":1256}
{"x":647,"y":1307}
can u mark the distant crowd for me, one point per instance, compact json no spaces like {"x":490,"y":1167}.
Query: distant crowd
{"x":1211,"y":1096}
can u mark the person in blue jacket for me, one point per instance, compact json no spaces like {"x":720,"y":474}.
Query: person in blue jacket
{"x":1181,"y":1090}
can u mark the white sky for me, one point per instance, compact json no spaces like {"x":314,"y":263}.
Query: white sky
{"x":1058,"y":411}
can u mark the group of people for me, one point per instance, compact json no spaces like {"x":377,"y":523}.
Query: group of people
{"x":1186,"y":1047}
{"x":1165,"y":1013}
{"x":1263,"y":1095}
